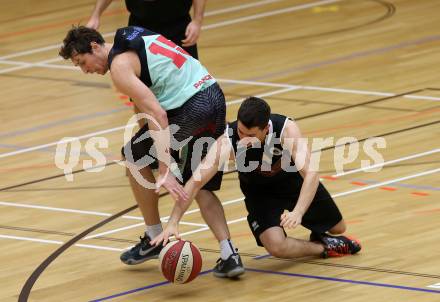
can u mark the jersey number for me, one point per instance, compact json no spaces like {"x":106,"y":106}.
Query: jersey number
{"x":175,"y":54}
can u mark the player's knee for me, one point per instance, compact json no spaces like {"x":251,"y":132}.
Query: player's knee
{"x":276,"y":249}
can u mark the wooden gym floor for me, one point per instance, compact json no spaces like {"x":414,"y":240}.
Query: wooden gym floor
{"x":359,"y":68}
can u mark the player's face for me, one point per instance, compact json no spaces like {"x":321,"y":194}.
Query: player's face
{"x":249,"y":135}
{"x":95,"y":62}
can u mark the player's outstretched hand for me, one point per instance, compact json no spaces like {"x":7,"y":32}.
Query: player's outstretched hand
{"x":170,"y":230}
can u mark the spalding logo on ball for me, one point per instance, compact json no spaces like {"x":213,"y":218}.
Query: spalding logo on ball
{"x":180,"y":261}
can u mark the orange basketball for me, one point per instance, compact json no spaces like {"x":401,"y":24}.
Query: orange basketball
{"x":180,"y":261}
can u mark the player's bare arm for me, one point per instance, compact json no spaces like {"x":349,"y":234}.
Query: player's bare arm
{"x":301,"y":156}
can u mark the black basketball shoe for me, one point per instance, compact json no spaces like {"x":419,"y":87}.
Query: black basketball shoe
{"x":141,"y":252}
{"x":229,"y":268}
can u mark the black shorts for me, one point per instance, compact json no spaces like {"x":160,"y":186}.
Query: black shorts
{"x":202,"y":116}
{"x":265,"y":212}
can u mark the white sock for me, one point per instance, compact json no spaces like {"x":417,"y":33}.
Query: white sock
{"x":226,"y":249}
{"x":154,"y":230}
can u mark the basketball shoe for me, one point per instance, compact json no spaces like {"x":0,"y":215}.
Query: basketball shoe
{"x":230,"y":268}
{"x":141,"y":252}
{"x":336,"y":246}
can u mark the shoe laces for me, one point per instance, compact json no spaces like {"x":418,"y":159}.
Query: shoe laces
{"x":341,"y":247}
{"x":144,"y":242}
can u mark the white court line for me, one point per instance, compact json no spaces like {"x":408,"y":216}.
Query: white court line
{"x":90,"y":246}
{"x":436,"y":285}
{"x":206,"y":27}
{"x":328,"y":89}
{"x":268,"y":14}
{"x":352,"y":91}
{"x":46,"y":65}
{"x":263,"y":95}
{"x":201,"y":229}
{"x":388,"y":162}
{"x":229,"y":222}
{"x":38,"y":147}
{"x":132,"y":226}
{"x":239,"y":7}
{"x":422,"y":97}
{"x":335,"y":195}
{"x":161,"y":219}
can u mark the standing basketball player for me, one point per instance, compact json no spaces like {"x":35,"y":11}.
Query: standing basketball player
{"x":172,"y":88}
{"x":259,"y":142}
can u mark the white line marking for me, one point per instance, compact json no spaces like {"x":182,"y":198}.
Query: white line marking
{"x":29,"y":206}
{"x":268,"y":14}
{"x":436,"y":286}
{"x":137,"y":225}
{"x":364,"y":92}
{"x":25,"y":150}
{"x":254,"y":83}
{"x":206,"y":27}
{"x":99,"y":247}
{"x":263,"y":95}
{"x":388,"y":162}
{"x":229,"y":222}
{"x":31,"y":239}
{"x":90,"y":246}
{"x":115,"y":230}
{"x":422,"y":97}
{"x":240,"y":7}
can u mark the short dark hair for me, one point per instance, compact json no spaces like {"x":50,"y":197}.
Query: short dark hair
{"x":254,"y":112}
{"x":77,"y":41}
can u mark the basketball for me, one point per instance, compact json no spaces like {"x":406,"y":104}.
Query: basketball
{"x":180,"y":261}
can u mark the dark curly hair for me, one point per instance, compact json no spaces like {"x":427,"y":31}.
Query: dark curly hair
{"x":77,"y":41}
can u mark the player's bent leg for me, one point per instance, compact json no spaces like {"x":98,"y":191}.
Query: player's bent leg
{"x":278,"y":245}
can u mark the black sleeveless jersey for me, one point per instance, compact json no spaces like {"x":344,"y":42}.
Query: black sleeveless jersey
{"x":264,"y":166}
{"x":130,"y":38}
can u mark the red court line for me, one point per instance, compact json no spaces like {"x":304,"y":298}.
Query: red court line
{"x":420,"y":193}
{"x":358,"y":183}
{"x":388,"y":188}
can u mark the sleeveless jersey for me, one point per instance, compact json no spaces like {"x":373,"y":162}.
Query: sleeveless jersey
{"x":268,"y":174}
{"x":171,"y":74}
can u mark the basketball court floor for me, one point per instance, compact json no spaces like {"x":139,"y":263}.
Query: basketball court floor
{"x":342,"y":69}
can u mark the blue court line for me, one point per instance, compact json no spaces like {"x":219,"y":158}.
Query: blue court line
{"x":262,"y":256}
{"x":61,"y":122}
{"x":281,"y":274}
{"x":345,"y":280}
{"x":141,"y":289}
